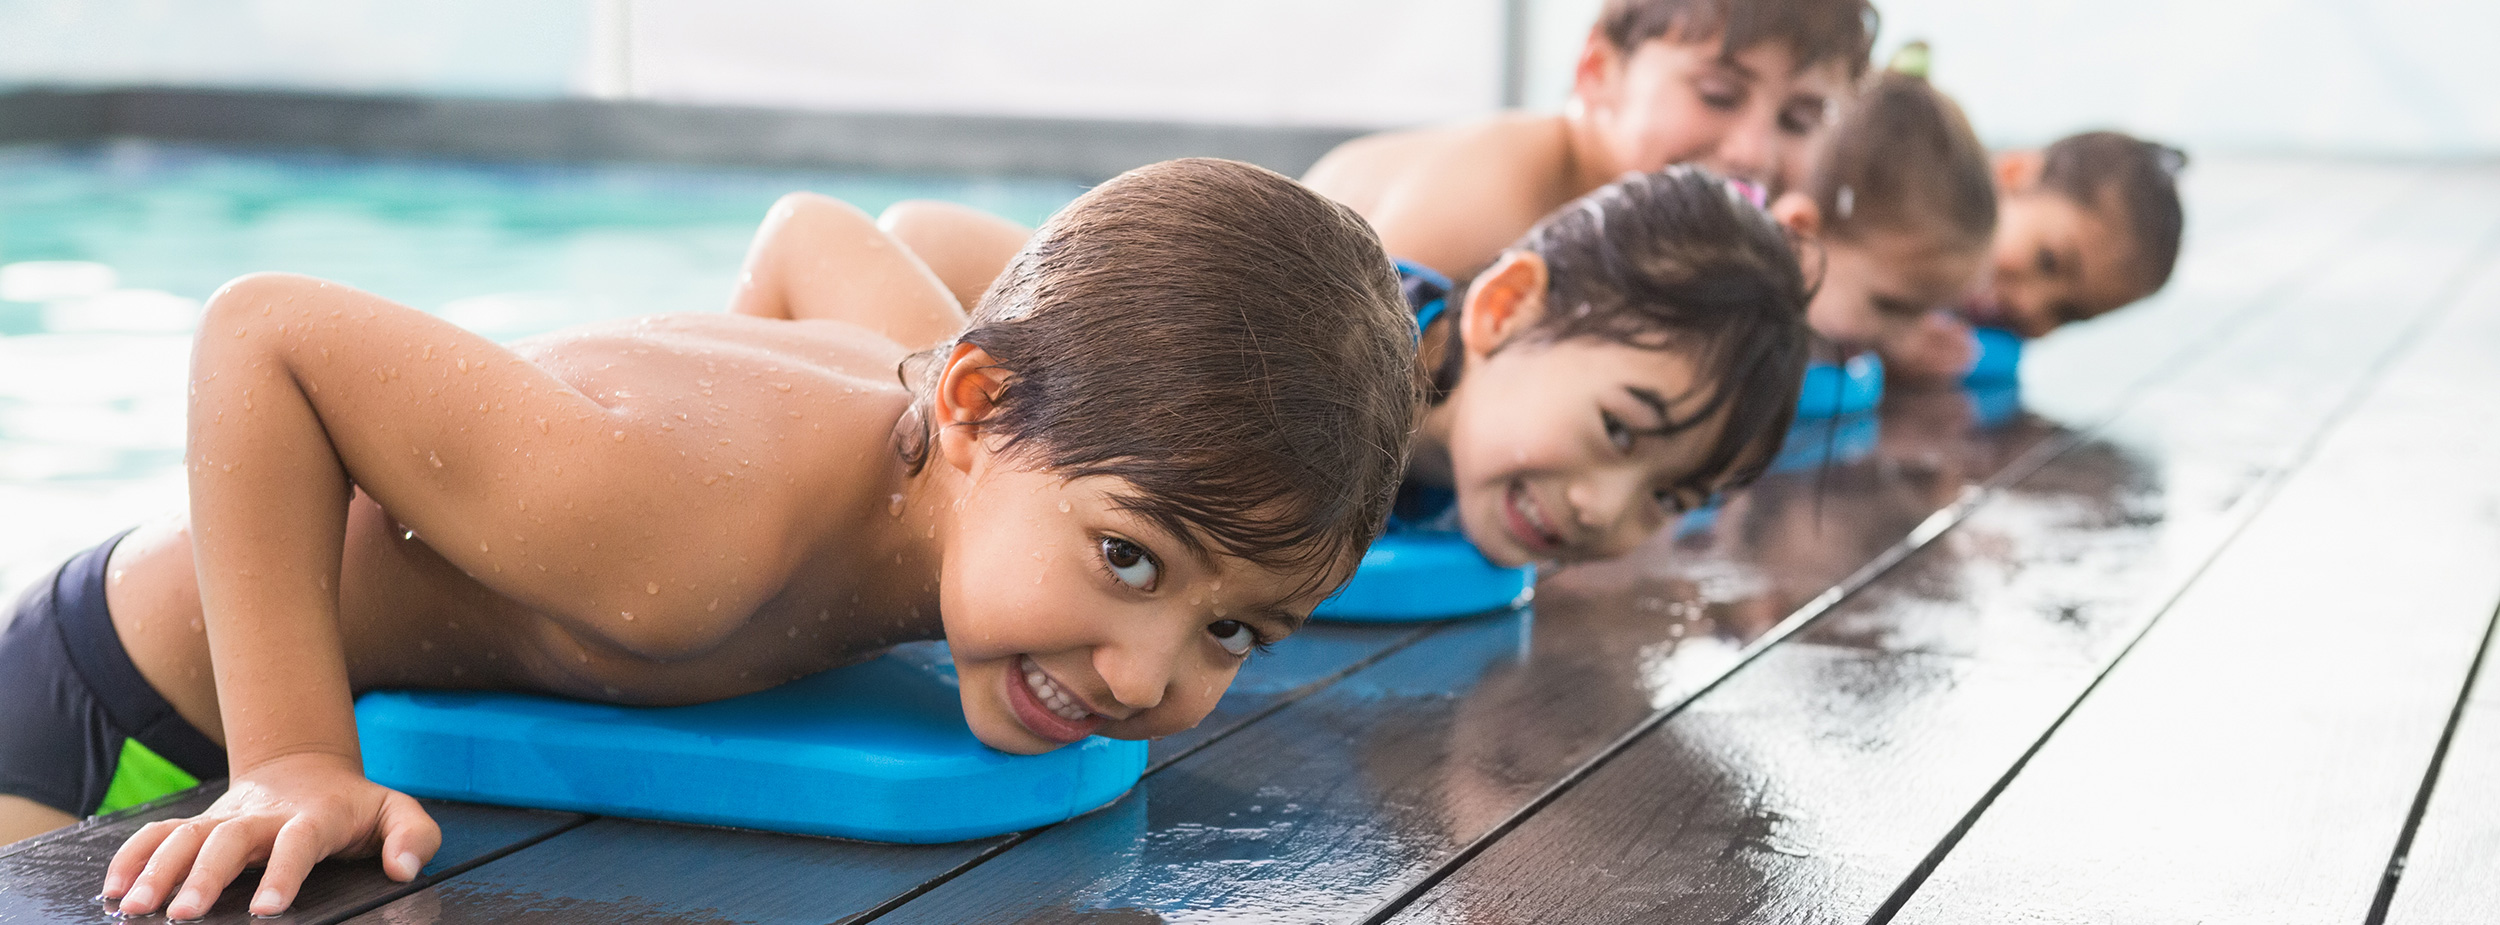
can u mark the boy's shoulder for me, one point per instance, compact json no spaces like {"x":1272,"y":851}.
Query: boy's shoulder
{"x":1500,"y":150}
{"x":1451,"y":197}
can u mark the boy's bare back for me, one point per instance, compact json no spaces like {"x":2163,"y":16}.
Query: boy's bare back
{"x":639,"y":512}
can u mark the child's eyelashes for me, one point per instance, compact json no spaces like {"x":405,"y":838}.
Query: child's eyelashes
{"x":1804,"y":116}
{"x":1129,"y":563}
{"x":1720,"y":93}
{"x":1618,"y":433}
{"x":1238,"y":638}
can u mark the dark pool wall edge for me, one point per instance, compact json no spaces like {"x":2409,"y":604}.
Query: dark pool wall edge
{"x":580,"y":129}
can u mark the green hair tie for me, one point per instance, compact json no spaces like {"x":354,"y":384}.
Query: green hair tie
{"x":1911,"y":61}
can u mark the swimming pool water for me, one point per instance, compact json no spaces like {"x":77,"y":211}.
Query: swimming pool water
{"x":106,"y":251}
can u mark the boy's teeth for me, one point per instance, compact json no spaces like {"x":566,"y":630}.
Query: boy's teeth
{"x":1051,"y":696}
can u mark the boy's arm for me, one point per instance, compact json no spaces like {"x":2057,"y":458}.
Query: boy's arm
{"x":966,"y":247}
{"x":816,"y":257}
{"x":300,"y":391}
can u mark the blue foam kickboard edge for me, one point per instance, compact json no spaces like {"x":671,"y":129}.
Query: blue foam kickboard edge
{"x":1426,"y":575}
{"x":1847,"y":387}
{"x":876,"y":751}
{"x":2000,"y":357}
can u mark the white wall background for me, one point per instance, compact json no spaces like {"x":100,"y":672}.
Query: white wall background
{"x":2369,"y":77}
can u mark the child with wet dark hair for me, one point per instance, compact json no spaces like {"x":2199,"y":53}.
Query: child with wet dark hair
{"x":1898,"y":212}
{"x":2084,"y":227}
{"x":1635,"y":354}
{"x":1742,"y":87}
{"x":1165,"y":437}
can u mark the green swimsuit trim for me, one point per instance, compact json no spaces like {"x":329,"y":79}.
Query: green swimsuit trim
{"x":142,"y":775}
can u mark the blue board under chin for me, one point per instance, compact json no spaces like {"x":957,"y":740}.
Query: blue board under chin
{"x":2000,"y":357}
{"x":1851,"y":386}
{"x":1420,"y":575}
{"x":876,"y":751}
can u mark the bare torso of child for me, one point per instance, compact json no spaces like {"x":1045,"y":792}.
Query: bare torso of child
{"x":1452,"y":197}
{"x":787,"y":424}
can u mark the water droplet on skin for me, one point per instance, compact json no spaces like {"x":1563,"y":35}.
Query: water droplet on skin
{"x":583,"y":655}
{"x":784,"y":386}
{"x":481,"y":546}
{"x":620,"y":436}
{"x":894,"y":505}
{"x":628,"y":614}
{"x":463,"y":363}
{"x":436,"y":460}
{"x":117,"y":576}
{"x":427,"y":353}
{"x":247,"y":399}
{"x":713,"y":606}
{"x":710,"y":479}
{"x":407,"y":534}
{"x":1065,"y":507}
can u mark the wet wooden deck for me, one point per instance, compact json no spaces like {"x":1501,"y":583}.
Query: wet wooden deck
{"x":2194,"y":640}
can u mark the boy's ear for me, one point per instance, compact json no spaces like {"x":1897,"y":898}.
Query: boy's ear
{"x":966,"y":396}
{"x":1507,"y":298}
{"x":2017,"y":171}
{"x":1797,"y":212}
{"x":1594,"y":77}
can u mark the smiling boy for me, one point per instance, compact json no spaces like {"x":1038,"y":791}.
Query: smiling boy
{"x":1743,"y":88}
{"x":1103,"y":511}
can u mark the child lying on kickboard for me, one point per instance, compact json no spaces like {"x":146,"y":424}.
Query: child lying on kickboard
{"x":1168,"y":433}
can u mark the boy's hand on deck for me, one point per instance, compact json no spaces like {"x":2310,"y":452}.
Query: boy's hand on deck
{"x":1940,"y":349}
{"x":287,"y":814}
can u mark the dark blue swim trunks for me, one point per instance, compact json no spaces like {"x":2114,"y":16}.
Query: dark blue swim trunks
{"x":81,"y":730}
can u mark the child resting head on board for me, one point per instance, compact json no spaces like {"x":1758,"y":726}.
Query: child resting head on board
{"x":1742,"y":87}
{"x":1169,"y":433}
{"x":2085,"y":227}
{"x":1897,"y":212}
{"x":1637,"y":352}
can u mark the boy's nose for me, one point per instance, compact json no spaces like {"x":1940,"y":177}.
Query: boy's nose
{"x":1138,"y":672}
{"x":1749,"y":152}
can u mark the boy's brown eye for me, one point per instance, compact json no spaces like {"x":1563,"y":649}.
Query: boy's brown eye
{"x":1235,"y":636}
{"x":1129,"y":563}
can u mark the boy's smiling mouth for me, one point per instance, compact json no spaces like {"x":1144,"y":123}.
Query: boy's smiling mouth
{"x":1526,"y":520}
{"x":1045,"y":708}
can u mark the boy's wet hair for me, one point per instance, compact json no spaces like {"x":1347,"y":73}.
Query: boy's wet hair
{"x":1815,"y":31}
{"x":2132,"y":183}
{"x":1680,"y":260}
{"x":1903,"y":159}
{"x":1230,"y":344}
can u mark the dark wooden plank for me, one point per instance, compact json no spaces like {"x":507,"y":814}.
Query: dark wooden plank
{"x":616,"y":870}
{"x":2448,"y":873}
{"x":2256,"y":755}
{"x":1778,"y":813}
{"x":1299,"y":665}
{"x":625,"y":870}
{"x":54,"y":877}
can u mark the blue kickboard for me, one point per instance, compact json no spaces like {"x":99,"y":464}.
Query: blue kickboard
{"x":2000,"y":357}
{"x":1838,"y":441}
{"x":876,"y":751}
{"x":1426,"y":575}
{"x":1851,"y":386}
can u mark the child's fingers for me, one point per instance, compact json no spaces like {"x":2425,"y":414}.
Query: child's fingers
{"x":292,"y":855}
{"x":133,"y":856}
{"x":233,"y":844}
{"x":409,"y":836}
{"x":171,"y":861}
